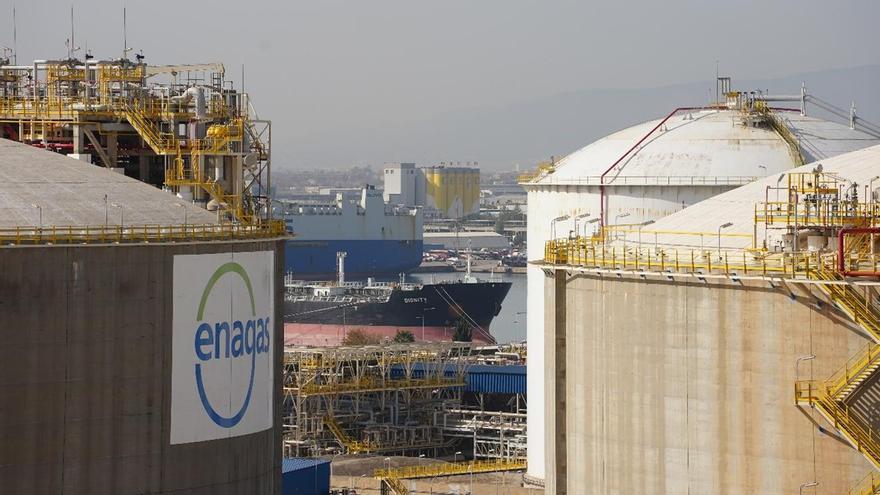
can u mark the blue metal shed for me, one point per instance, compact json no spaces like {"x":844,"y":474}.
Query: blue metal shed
{"x":305,"y":476}
{"x":489,"y":379}
{"x":481,"y":378}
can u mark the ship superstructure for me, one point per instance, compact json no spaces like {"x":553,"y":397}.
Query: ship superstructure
{"x":379,"y":239}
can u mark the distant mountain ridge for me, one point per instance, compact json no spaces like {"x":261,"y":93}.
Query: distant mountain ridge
{"x":530,"y":131}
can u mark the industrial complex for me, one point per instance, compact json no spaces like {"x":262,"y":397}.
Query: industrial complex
{"x":182,"y":127}
{"x":701,"y":292}
{"x":445,"y":191}
{"x":752,"y":347}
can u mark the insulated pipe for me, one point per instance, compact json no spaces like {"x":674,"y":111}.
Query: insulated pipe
{"x":841,"y":263}
{"x":639,"y":142}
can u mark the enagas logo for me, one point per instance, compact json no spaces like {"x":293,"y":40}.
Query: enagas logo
{"x":222,"y":365}
{"x":229,"y":340}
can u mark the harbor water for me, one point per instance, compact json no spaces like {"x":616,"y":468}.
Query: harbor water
{"x":510,"y":324}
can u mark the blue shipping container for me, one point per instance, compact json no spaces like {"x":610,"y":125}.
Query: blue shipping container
{"x":305,"y":476}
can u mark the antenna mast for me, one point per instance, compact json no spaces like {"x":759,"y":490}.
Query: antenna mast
{"x":124,"y":33}
{"x":72,"y":46}
{"x":14,"y":38}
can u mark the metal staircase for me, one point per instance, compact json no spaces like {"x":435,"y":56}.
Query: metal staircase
{"x":161,"y":143}
{"x":395,"y":485}
{"x":178,"y":174}
{"x":832,"y":398}
{"x":344,"y":439}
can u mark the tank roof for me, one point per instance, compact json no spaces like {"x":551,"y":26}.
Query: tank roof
{"x":70,"y":192}
{"x":705,"y":143}
{"x":738,"y":205}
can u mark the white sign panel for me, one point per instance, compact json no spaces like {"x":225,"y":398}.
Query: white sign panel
{"x":221,"y":375}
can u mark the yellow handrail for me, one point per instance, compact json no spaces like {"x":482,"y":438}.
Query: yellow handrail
{"x":105,"y":234}
{"x":450,"y":469}
{"x":841,"y":416}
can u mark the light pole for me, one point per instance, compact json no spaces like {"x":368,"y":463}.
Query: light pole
{"x":720,"y":227}
{"x":588,"y":222}
{"x":553,"y":225}
{"x":40,"y":208}
{"x":807,"y":485}
{"x":582,"y":215}
{"x":106,"y":213}
{"x":618,"y":217}
{"x":121,"y":214}
{"x":182,"y":205}
{"x":797,"y":365}
{"x":332,"y":460}
{"x":423,"y":324}
{"x":649,"y":222}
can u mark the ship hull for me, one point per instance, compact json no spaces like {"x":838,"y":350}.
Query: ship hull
{"x":332,"y":335}
{"x":437,"y":307}
{"x":316,"y":260}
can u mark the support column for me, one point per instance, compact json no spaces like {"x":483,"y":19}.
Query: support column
{"x":143,"y":166}
{"x":235,"y":180}
{"x":112,"y":148}
{"x":555,"y":382}
{"x":78,"y":139}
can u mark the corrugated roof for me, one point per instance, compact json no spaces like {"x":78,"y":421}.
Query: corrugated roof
{"x":480,"y":378}
{"x":71,"y":193}
{"x":496,"y":379}
{"x":289,"y":464}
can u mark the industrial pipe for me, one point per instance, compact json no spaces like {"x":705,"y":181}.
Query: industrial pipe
{"x":841,"y":262}
{"x":638,"y":143}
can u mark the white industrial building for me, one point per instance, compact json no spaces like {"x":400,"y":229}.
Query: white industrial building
{"x":444,"y":191}
{"x":649,"y":171}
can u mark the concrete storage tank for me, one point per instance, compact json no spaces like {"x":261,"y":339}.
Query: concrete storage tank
{"x":141,"y":338}
{"x":651,"y":170}
{"x":723,"y":349}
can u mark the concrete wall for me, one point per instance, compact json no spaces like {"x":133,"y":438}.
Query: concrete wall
{"x":85,"y":378}
{"x":674,"y":387}
{"x":548,"y":202}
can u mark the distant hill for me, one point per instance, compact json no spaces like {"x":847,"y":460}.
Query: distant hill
{"x":530,"y":131}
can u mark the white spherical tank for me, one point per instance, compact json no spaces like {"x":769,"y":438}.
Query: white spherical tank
{"x":644,"y":173}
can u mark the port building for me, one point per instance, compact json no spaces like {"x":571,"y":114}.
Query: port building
{"x":107,"y":284}
{"x":445,"y":191}
{"x":633,"y":177}
{"x":730,"y":347}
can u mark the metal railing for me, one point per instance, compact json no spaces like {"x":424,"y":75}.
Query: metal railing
{"x":856,"y":430}
{"x":870,"y":485}
{"x":365,"y":385}
{"x":107,"y":234}
{"x":585,"y":252}
{"x":449,"y":469}
{"x":639,"y":180}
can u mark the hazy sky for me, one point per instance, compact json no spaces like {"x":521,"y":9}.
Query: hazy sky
{"x":334,"y":68}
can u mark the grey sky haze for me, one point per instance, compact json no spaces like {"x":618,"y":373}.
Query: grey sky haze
{"x":328,"y":69}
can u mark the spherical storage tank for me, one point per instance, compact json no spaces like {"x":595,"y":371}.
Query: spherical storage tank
{"x":643,"y":173}
{"x":141,"y":339}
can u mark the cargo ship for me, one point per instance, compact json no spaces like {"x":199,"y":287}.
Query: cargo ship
{"x":323,"y":313}
{"x":381,"y":240}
